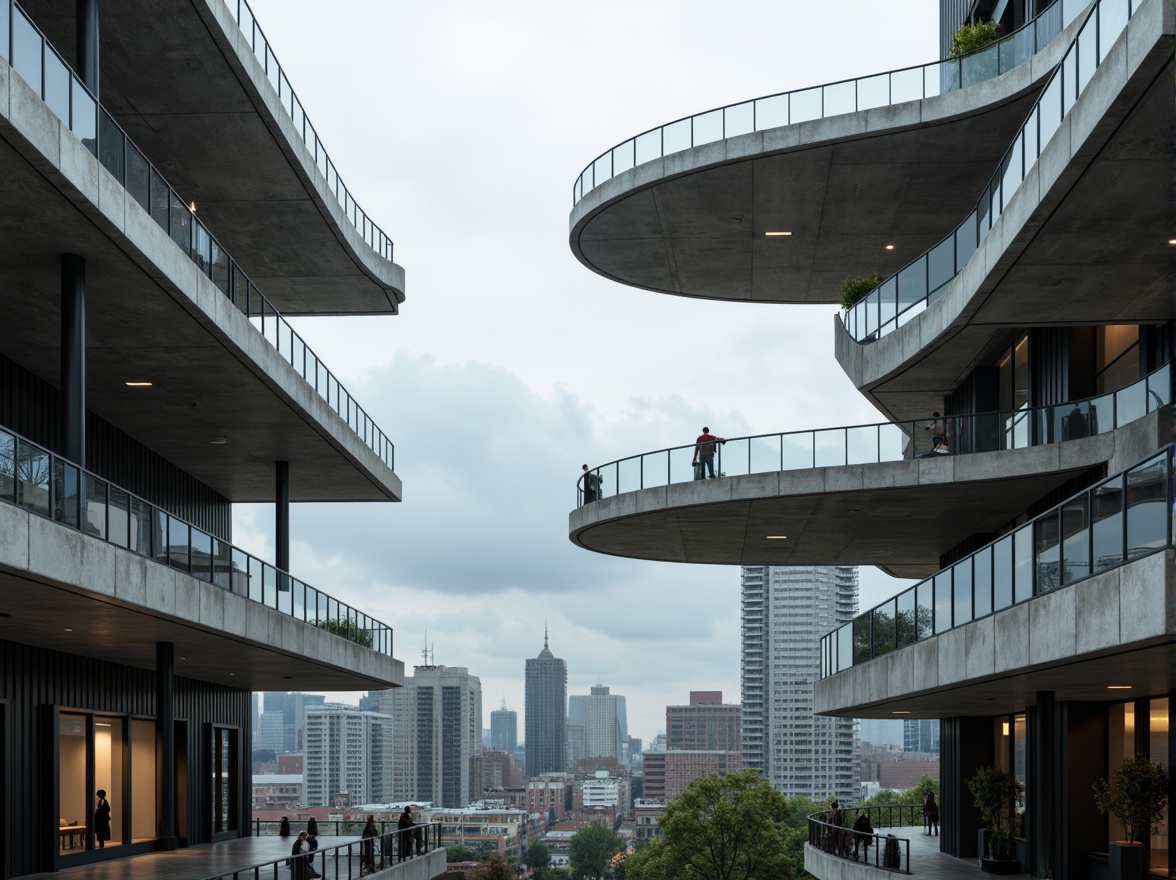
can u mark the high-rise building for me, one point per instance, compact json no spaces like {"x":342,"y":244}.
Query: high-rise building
{"x":666,"y":774}
{"x":437,"y":720}
{"x":546,"y":713}
{"x":167,"y":208}
{"x":706,"y":724}
{"x":346,"y":750}
{"x":882,"y":732}
{"x":786,"y":610}
{"x":1019,"y":347}
{"x":604,"y":720}
{"x":504,"y":728}
{"x":291,"y":707}
{"x":920,"y":735}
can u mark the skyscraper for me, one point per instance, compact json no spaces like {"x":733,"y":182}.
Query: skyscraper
{"x":437,"y":719}
{"x":504,"y":728}
{"x":546,"y":713}
{"x":920,"y":735}
{"x":603,"y":716}
{"x":786,"y":610}
{"x":347,"y":749}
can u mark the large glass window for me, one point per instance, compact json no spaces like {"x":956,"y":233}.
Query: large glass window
{"x":73,"y":799}
{"x":224,"y":779}
{"x":1116,"y":349}
{"x":110,"y":755}
{"x":1158,"y":745}
{"x":143,"y":818}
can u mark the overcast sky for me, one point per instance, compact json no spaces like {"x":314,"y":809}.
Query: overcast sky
{"x":461,"y":127}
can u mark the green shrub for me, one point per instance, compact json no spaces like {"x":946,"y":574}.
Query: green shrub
{"x":1135,"y":795}
{"x":853,"y":289}
{"x":973,"y":37}
{"x":348,"y":629}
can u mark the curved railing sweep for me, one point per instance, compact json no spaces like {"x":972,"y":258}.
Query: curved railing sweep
{"x":914,"y":287}
{"x":886,"y":441}
{"x":833,"y":99}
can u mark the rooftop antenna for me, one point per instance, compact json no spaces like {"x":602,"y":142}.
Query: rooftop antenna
{"x":545,"y":633}
{"x":425,"y":652}
{"x":504,"y":703}
{"x":433,"y":655}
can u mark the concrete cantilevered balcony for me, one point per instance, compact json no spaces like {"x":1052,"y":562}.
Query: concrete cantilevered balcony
{"x":864,"y":495}
{"x":1073,"y":227}
{"x":197,"y":85}
{"x":234,"y":388}
{"x":847,"y":168}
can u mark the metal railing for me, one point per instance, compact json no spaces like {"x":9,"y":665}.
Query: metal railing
{"x":886,"y":441}
{"x":842,"y":841}
{"x":372,"y":235}
{"x":343,"y":861}
{"x":914,"y":287}
{"x":34,"y":59}
{"x":820,"y":102}
{"x":1118,"y":520}
{"x":45,"y":484}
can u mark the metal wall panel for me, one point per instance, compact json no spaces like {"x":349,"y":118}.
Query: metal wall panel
{"x":33,"y":678}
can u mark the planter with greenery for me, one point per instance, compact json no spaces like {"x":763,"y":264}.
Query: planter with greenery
{"x":994,"y":792}
{"x":1135,"y":795}
{"x":969,"y":45}
{"x":348,"y":629}
{"x":974,"y":37}
{"x":853,"y":289}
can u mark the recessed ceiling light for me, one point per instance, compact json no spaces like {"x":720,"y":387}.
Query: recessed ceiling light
{"x":777,"y":233}
{"x":777,"y":537}
{"x":181,"y":658}
{"x":139,"y":384}
{"x":68,"y":630}
{"x":889,"y":247}
{"x":218,"y":441}
{"x":1172,"y":241}
{"x":901,"y":712}
{"x":1118,"y":687}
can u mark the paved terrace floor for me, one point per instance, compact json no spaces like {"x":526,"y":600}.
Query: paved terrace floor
{"x":926,"y":859}
{"x":197,"y":862}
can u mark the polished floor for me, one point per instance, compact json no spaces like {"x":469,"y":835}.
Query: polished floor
{"x":210,"y":860}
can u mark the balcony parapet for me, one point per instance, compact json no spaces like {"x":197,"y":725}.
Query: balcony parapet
{"x":1116,"y":522}
{"x":53,"y":488}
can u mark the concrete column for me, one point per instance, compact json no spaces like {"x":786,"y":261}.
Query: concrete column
{"x":282,"y":515}
{"x":73,"y":357}
{"x":1043,"y":797}
{"x":165,"y":736}
{"x":87,"y":43}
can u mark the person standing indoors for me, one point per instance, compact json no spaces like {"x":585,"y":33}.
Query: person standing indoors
{"x":101,"y":818}
{"x":704,"y":454}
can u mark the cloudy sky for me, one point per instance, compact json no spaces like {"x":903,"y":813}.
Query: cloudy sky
{"x":461,"y":127}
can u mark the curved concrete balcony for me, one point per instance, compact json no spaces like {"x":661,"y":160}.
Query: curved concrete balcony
{"x":198,"y":86}
{"x":1072,"y":228}
{"x":1076,"y":599}
{"x":883,"y":495}
{"x":689,"y":208}
{"x":233,"y":387}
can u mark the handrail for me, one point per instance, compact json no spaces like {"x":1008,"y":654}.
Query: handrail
{"x":1119,"y":519}
{"x":920,"y":282}
{"x":351,"y":859}
{"x":53,"y":487}
{"x":886,"y":441}
{"x":840,"y":840}
{"x":39,"y":64}
{"x":372,"y":235}
{"x":819,"y":102}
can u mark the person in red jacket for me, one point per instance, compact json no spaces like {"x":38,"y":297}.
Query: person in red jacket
{"x":704,"y":453}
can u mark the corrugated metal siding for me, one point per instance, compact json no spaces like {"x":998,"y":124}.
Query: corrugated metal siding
{"x":952,"y":14}
{"x":33,"y":678}
{"x":32,"y":407}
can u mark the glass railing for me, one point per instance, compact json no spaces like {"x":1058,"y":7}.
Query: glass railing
{"x":36,"y":480}
{"x":369,"y":231}
{"x":1116,"y":521}
{"x":886,"y":441}
{"x":909,"y":291}
{"x":36,"y":61}
{"x":834,"y":99}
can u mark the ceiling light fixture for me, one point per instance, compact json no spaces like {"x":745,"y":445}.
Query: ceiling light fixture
{"x":1172,"y":241}
{"x":68,"y":630}
{"x":777,"y":233}
{"x":218,"y":441}
{"x":777,"y":537}
{"x":901,"y":712}
{"x":1118,"y":687}
{"x":889,"y":247}
{"x":139,"y":384}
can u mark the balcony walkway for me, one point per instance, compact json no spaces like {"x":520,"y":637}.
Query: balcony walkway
{"x":926,"y":861}
{"x":205,"y":860}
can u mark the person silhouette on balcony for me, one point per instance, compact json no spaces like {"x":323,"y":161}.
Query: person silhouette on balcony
{"x":704,"y":454}
{"x":592,"y":483}
{"x":941,"y":434}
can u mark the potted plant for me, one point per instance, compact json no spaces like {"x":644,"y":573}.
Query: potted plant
{"x":994,"y":792}
{"x":1135,"y":795}
{"x":853,"y":289}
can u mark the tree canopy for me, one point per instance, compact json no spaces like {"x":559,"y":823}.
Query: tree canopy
{"x":590,"y":850}
{"x":538,"y":856}
{"x":494,"y":868}
{"x":719,"y":829}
